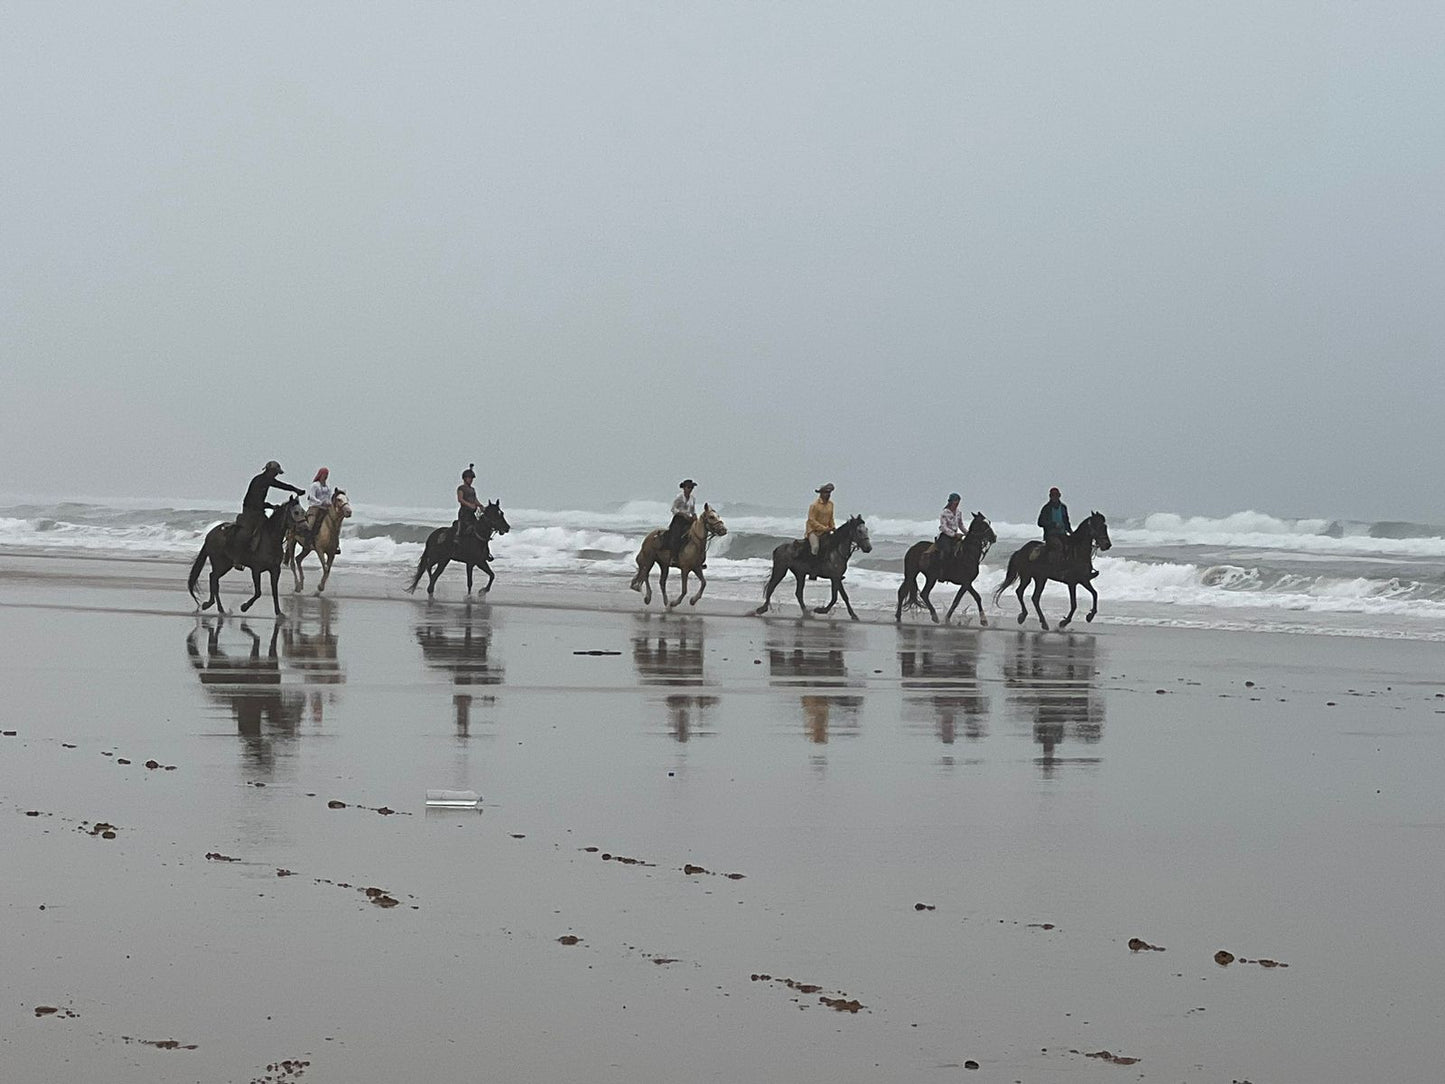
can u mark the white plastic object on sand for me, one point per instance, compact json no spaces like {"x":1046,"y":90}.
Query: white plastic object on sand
{"x":453,"y":799}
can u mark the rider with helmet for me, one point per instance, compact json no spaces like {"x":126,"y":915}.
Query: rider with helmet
{"x":247,"y":536}
{"x":1054,"y":519}
{"x":467,"y":505}
{"x":684,"y":515}
{"x":951,"y":529}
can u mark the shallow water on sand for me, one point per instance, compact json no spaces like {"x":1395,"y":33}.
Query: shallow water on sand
{"x":1044,"y":797}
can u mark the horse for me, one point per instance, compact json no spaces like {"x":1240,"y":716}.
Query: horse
{"x":265,"y":558}
{"x":324,"y":543}
{"x":690,"y":558}
{"x":830,"y":564}
{"x":441,"y":549}
{"x":962,"y":570}
{"x":1074,"y":569}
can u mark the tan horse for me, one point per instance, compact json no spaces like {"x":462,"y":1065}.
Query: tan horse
{"x":325,"y":544}
{"x":690,"y":558}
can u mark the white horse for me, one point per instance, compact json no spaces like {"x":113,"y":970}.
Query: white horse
{"x":325,"y":544}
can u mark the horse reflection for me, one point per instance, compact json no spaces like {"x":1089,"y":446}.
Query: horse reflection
{"x":1051,"y":682}
{"x":815,"y":657}
{"x":461,"y":650}
{"x":669,"y":651}
{"x":266,"y":712}
{"x":939,"y":671}
{"x":312,"y":652}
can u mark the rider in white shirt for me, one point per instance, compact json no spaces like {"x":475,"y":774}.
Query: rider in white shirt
{"x":684,"y":513}
{"x":951,"y":528}
{"x":318,"y":500}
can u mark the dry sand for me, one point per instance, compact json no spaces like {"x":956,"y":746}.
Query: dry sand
{"x":787,"y":850}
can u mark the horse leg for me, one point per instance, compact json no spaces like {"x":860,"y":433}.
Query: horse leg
{"x":1025,"y":579}
{"x":256,"y":583}
{"x":902,"y":594}
{"x":1094,"y":608}
{"x":215,"y":599}
{"x":801,"y":605}
{"x":435,"y":573}
{"x":928,"y":582}
{"x":701,"y":587}
{"x":840,"y":589}
{"x":490,"y":577}
{"x":662,"y":582}
{"x":325,"y":570}
{"x":275,"y":601}
{"x":779,"y":571}
{"x":682,"y":595}
{"x":1073,"y":605}
{"x":833,"y":601}
{"x":979,"y":603}
{"x":1039,"y":585}
{"x":470,"y":566}
{"x":948,"y":617}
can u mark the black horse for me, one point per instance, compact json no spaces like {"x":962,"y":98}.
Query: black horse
{"x":441,"y":549}
{"x":831,"y":564}
{"x":1074,"y":567}
{"x":961,"y":569}
{"x":266,"y":557}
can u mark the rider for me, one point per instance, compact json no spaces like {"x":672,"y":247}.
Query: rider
{"x":468,"y":505}
{"x":253,"y":508}
{"x":1054,"y":519}
{"x":950,"y":529}
{"x":318,"y":502}
{"x":684,"y":515}
{"x":820,"y":517}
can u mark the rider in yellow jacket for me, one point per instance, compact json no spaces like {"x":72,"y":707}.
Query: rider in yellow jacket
{"x":820,"y":517}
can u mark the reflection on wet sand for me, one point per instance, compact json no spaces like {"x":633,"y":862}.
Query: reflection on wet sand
{"x":459,"y":646}
{"x":813,"y":655}
{"x":1051,"y":683}
{"x":939,"y":671}
{"x":266,"y":710}
{"x":669,"y":651}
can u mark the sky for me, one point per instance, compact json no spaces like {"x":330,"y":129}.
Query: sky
{"x":1168,"y":257}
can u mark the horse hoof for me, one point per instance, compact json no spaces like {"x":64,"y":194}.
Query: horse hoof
{"x":1088,"y":617}
{"x":1023,"y":618}
{"x":983,"y":621}
{"x":935,"y":619}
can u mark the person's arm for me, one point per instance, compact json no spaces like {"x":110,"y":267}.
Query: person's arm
{"x":276,"y":483}
{"x":1068,"y":527}
{"x":1044,"y":517}
{"x":466,"y":501}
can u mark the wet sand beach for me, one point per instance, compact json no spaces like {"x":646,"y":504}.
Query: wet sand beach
{"x":710,"y":847}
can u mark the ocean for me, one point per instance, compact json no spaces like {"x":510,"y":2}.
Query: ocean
{"x":1248,"y":570}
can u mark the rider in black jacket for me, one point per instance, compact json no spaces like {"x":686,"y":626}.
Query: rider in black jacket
{"x":253,"y":508}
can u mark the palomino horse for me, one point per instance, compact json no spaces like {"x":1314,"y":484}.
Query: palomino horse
{"x":325,"y":544}
{"x":265,"y":558}
{"x":441,"y":549}
{"x":830,"y":564}
{"x":689,"y":558}
{"x":962,"y":569}
{"x":1075,"y":568}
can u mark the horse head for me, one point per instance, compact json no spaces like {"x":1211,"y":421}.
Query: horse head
{"x":712,"y":523}
{"x":492,"y":513}
{"x":292,"y":512}
{"x":981,"y":531}
{"x":856,"y":532}
{"x":340,"y":500}
{"x":1097,"y":530}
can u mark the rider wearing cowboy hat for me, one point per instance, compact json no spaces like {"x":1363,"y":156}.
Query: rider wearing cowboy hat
{"x":684,"y":514}
{"x":247,"y":536}
{"x":820,"y":517}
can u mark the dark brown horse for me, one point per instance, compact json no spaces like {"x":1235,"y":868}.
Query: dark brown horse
{"x":1074,"y":567}
{"x":442,"y":549}
{"x":266,"y":557}
{"x":961,"y":569}
{"x":830,"y":564}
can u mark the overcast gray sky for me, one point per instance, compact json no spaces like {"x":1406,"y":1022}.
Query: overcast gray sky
{"x":1173,"y":257}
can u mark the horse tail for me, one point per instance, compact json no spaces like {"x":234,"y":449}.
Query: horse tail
{"x":1013,"y":574}
{"x":195,"y":576}
{"x":909,"y":587}
{"x":421,"y":566}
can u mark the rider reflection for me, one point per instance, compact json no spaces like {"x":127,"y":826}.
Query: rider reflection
{"x":462,"y":652}
{"x":813,"y":657}
{"x":267,"y":714}
{"x":1051,"y":682}
{"x":939,"y":674}
{"x":669,"y":651}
